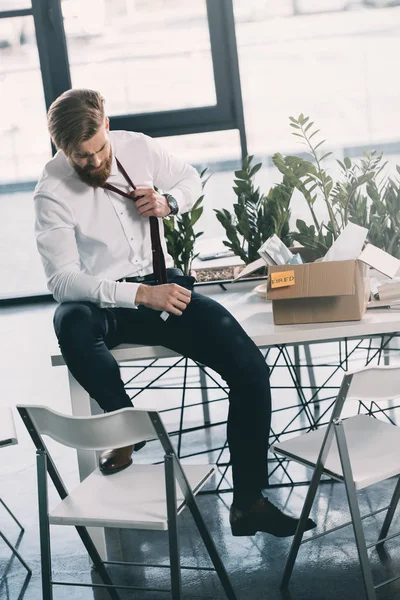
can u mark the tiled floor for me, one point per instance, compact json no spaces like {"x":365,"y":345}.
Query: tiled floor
{"x":326,"y":569}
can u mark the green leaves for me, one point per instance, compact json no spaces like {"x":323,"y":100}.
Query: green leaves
{"x":180,"y":233}
{"x":360,"y":195}
{"x":255,"y":216}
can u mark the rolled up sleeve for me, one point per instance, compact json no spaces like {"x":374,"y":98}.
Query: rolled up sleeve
{"x":173,"y":175}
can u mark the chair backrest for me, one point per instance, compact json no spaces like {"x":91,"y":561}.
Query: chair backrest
{"x":8,"y":435}
{"x":112,"y":430}
{"x":375,"y":383}
{"x":367,"y":384}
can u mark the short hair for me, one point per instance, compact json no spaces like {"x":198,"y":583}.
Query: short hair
{"x":75,"y":117}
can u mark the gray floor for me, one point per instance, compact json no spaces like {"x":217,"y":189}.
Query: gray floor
{"x":326,"y":570}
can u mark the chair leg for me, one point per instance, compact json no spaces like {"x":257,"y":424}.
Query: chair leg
{"x":174,"y":556}
{"x":177,"y":470}
{"x":298,"y":536}
{"x":44,"y":527}
{"x":390,"y":512}
{"x":360,"y":541}
{"x":211,"y":549}
{"x":11,"y":514}
{"x":354,"y":512}
{"x":15,"y":552}
{"x":96,"y":560}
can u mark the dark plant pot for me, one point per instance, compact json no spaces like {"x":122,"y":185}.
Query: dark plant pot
{"x":225,"y":273}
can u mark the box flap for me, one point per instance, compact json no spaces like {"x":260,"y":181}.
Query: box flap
{"x":314,"y":280}
{"x":380,"y":260}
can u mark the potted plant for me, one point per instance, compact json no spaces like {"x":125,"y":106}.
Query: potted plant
{"x":180,"y":232}
{"x":361,"y":194}
{"x":255,"y":216}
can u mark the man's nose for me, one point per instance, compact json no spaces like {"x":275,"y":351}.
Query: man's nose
{"x":95,"y":161}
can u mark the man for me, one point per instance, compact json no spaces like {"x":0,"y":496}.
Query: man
{"x":96,"y":247}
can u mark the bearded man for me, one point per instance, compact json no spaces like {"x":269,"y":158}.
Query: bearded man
{"x":98,"y":219}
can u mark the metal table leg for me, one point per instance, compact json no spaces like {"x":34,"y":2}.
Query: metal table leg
{"x":83,"y":405}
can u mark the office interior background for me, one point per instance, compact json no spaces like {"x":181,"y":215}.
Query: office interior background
{"x":333,"y":60}
{"x":168,"y":68}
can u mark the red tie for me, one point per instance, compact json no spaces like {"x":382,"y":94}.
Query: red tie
{"x":159,"y":269}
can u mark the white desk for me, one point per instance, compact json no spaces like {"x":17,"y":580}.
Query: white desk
{"x":255,"y":315}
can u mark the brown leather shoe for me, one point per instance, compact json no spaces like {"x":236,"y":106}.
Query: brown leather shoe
{"x":115,"y":460}
{"x":264,"y":516}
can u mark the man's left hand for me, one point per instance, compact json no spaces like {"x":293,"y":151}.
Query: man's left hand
{"x":150,"y":203}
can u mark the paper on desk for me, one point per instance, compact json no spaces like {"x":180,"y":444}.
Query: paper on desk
{"x":348,"y":245}
{"x":383,"y":304}
{"x":380,"y":260}
{"x":250,"y":268}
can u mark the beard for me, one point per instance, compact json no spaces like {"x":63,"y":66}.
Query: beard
{"x":93,"y":177}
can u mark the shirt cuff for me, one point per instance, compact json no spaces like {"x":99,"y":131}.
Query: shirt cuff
{"x":125,"y":294}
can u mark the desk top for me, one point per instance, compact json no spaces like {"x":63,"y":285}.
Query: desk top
{"x":255,"y":315}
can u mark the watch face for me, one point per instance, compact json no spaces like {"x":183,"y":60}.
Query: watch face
{"x":172,"y":203}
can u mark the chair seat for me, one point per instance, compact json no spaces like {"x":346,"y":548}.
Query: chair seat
{"x":374,"y":449}
{"x":135,"y":498}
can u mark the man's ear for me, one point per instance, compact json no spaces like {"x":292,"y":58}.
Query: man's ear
{"x":107,"y":124}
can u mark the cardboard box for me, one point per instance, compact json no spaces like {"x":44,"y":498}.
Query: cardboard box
{"x":319,"y":292}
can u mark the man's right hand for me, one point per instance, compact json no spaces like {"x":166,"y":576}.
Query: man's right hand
{"x":169,"y":297}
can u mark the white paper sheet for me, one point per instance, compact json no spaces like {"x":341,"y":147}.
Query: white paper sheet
{"x":348,"y":245}
{"x":250,"y":268}
{"x":274,"y":251}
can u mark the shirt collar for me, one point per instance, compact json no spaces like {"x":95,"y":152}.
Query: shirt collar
{"x":114,"y":166}
{"x":69,"y":167}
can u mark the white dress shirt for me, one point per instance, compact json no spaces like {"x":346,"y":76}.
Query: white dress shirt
{"x":90,"y":237}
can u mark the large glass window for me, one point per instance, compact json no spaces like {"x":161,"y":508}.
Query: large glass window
{"x":24,"y":141}
{"x":219,"y":151}
{"x":337,"y":67}
{"x":24,"y":148}
{"x":144,"y":56}
{"x":7,"y":5}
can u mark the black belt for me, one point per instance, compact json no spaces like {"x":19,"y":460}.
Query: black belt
{"x":150,"y":276}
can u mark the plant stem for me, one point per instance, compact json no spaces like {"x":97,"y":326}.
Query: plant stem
{"x":321,"y":184}
{"x":317,"y":225}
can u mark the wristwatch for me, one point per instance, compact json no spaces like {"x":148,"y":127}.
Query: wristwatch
{"x":173,"y":204}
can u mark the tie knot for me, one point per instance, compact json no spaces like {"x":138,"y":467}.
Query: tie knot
{"x":132,"y":195}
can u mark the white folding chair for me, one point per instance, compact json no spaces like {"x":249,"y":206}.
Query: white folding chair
{"x":143,"y":496}
{"x":8,"y":437}
{"x":358,"y":451}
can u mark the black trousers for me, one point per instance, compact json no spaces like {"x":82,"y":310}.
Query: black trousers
{"x":206,"y":332}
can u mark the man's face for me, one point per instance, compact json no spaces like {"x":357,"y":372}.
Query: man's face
{"x":92,"y":159}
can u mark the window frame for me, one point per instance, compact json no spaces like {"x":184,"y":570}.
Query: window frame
{"x":226,"y":114}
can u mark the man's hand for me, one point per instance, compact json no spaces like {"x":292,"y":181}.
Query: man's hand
{"x":170,"y":297}
{"x":150,"y":203}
